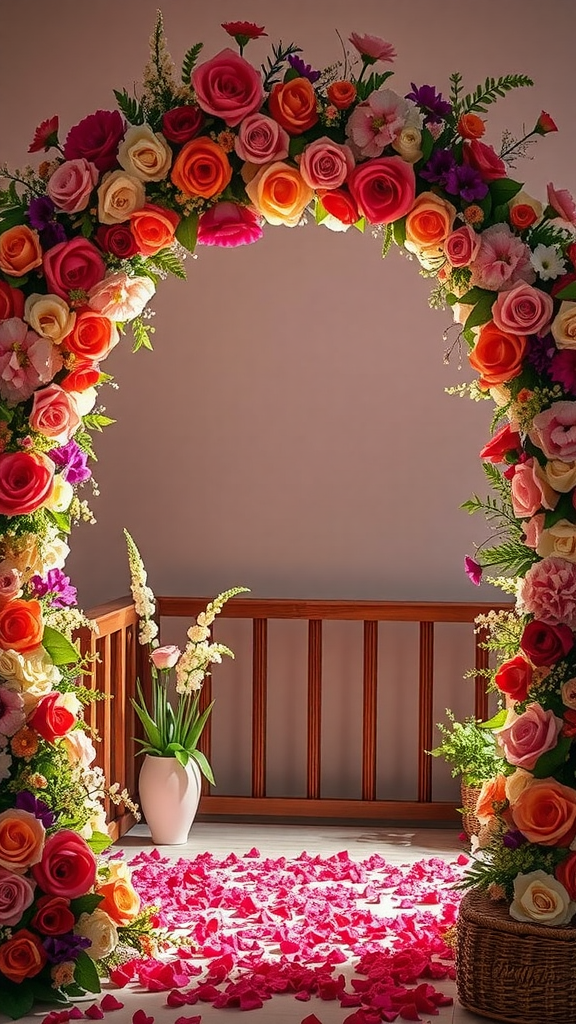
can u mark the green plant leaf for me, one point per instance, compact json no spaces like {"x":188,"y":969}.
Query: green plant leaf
{"x":568,"y":293}
{"x":496,"y":722}
{"x":85,"y":973}
{"x":503,"y":190}
{"x":187,"y":231}
{"x":481,"y":313}
{"x":85,"y":904}
{"x":59,"y":647}
{"x":550,"y":761}
{"x":99,"y":841}
{"x":16,"y":1000}
{"x":202,"y":762}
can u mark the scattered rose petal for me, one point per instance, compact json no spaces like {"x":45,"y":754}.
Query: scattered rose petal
{"x":141,"y":1017}
{"x":94,"y":1012}
{"x":109,"y":1002}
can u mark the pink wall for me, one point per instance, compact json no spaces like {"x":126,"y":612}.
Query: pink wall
{"x":290,"y":431}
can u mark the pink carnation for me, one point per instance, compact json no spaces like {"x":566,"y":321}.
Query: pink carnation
{"x":562,"y":202}
{"x":554,"y":431}
{"x":548,"y":592}
{"x":525,"y":737}
{"x":26,"y":361}
{"x":502,"y":259}
{"x":373,"y":47}
{"x":228,"y":225}
{"x":376,"y":122}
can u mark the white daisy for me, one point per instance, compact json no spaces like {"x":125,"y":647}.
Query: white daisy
{"x":547,"y":262}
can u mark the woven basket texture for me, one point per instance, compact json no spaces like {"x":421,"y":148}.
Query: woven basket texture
{"x":514,"y":972}
{"x":469,"y":795}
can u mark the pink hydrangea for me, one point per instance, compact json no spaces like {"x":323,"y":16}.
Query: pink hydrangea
{"x":26,"y":361}
{"x":548,"y":592}
{"x":502,"y":259}
{"x":378,"y":121}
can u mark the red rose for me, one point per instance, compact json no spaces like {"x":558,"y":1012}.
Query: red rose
{"x":51,"y":718}
{"x":96,"y":138}
{"x":522,"y":216}
{"x":383,"y":188}
{"x":339,"y":204}
{"x":53,"y":916}
{"x":545,"y":644}
{"x":484,"y":159}
{"x":181,"y":124}
{"x":68,"y":866}
{"x":514,"y":678}
{"x":571,"y":253}
{"x":11,"y":301}
{"x":21,"y":625}
{"x":73,"y":266}
{"x":84,"y":375}
{"x":26,"y":482}
{"x":565,"y":872}
{"x":505,"y":442}
{"x":118,"y":240}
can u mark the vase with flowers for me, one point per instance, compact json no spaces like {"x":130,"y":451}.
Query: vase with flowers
{"x":171,"y":776}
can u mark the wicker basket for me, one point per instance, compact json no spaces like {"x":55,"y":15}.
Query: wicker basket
{"x":508,"y":971}
{"x":469,"y":795}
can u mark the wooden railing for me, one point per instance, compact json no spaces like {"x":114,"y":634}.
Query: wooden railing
{"x":120,"y":661}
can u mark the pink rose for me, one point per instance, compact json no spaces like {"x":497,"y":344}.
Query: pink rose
{"x":120,"y":297}
{"x":26,"y":361}
{"x":228,"y":224}
{"x":227,"y":86}
{"x":554,"y":431}
{"x":16,"y":895}
{"x":530,"y":490}
{"x":562,"y":202}
{"x":261,"y":140}
{"x":10,"y":582}
{"x":533,"y":530}
{"x":96,"y":138}
{"x":326,"y":164}
{"x":525,"y":737}
{"x":164,"y":658}
{"x":26,"y":482}
{"x":548,"y":592}
{"x":73,"y":266}
{"x":70,"y":186}
{"x":484,"y":160}
{"x":384,"y":189}
{"x":68,"y":866}
{"x":54,"y":413}
{"x":501,"y":260}
{"x":523,"y":309}
{"x":461,"y":246}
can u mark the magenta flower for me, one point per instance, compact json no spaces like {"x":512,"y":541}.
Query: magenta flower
{"x":229,"y":225}
{"x":473,"y":570}
{"x":372,"y":48}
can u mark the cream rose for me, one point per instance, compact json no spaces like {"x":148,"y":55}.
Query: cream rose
{"x":10,"y":666}
{"x":559,"y":540}
{"x":541,"y":899}
{"x":145,"y":154}
{"x":101,"y":931}
{"x":79,"y":747}
{"x":55,"y":552}
{"x":36,"y":675}
{"x":561,"y":475}
{"x":564,"y":326}
{"x":49,"y":316}
{"x":516,"y":783}
{"x":407,"y":144}
{"x":61,"y":496}
{"x":119,"y":195}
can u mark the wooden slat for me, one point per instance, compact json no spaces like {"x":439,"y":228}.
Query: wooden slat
{"x":377,"y":611}
{"x":482,"y":657}
{"x":386,"y":812}
{"x":259,"y":695}
{"x":314,"y":737}
{"x":369,"y":713}
{"x":425,"y":710}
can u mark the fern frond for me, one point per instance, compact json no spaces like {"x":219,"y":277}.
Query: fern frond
{"x":512,"y":556}
{"x":141,"y":333}
{"x":167,"y":262}
{"x":280,"y":54}
{"x":489,"y":92}
{"x":130,"y":107}
{"x":189,"y":62}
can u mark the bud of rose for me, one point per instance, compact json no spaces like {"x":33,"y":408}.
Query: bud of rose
{"x":164,"y":658}
{"x":544,"y":125}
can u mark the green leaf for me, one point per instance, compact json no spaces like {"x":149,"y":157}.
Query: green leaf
{"x":399,"y":229}
{"x":296,"y":146}
{"x":496,"y":722}
{"x":60,"y":519}
{"x":99,"y":841}
{"x":503,"y":190}
{"x":187,"y":231}
{"x":481,"y":313}
{"x":16,"y":1000}
{"x":85,"y":973}
{"x":550,"y":761}
{"x":150,"y":728}
{"x":471,"y":297}
{"x":95,"y":421}
{"x":189,"y":62}
{"x":166,"y":260}
{"x":202,"y":762}
{"x":59,"y":647}
{"x":141,"y":333}
{"x":130,"y":107}
{"x":388,"y":238}
{"x":320,"y":211}
{"x":568,"y":293}
{"x":10,"y":218}
{"x":85,"y":904}
{"x":44,"y":993}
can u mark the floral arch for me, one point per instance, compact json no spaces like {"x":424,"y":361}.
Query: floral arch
{"x":209,"y":156}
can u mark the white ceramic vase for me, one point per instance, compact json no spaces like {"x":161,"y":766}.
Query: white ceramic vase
{"x":169,"y":798}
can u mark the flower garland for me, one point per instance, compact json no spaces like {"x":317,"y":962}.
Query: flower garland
{"x":210,"y":158}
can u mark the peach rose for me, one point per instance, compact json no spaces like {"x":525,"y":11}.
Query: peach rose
{"x":49,"y":315}
{"x":121,"y":901}
{"x":493,"y":793}
{"x":545,"y":812}
{"x":516,"y":784}
{"x":561,"y":475}
{"x":529,"y":491}
{"x":429,"y":222}
{"x":54,"y":413}
{"x":23,"y":956}
{"x":20,"y":250}
{"x":201,"y":168}
{"x":497,"y":355}
{"x":560,"y":540}
{"x":153,"y":228}
{"x":280,"y":193}
{"x":541,"y":899}
{"x":21,"y":625}
{"x":21,"y":840}
{"x":118,"y":196}
{"x":93,"y":336}
{"x":470,"y":126}
{"x":293,"y":105}
{"x":564,"y":326}
{"x":341,"y":94}
{"x":145,"y":153}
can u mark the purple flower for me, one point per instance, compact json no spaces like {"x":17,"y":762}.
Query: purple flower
{"x":513,"y":839}
{"x":540,"y":352}
{"x":26,"y":801}
{"x":41,"y":212}
{"x":56,"y":586}
{"x":562,"y":369}
{"x":465,"y":181}
{"x":304,"y":70}
{"x":64,"y":947}
{"x":430,"y":102}
{"x":74,"y":461}
{"x":438,"y":167}
{"x":473,"y":570}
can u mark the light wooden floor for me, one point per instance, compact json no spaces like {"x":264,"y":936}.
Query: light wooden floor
{"x":396,"y":845}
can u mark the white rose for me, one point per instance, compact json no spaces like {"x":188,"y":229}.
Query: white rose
{"x":55,"y":553}
{"x":61,"y":496}
{"x":49,"y":316}
{"x":559,"y":540}
{"x":145,"y":154}
{"x":86,"y":400}
{"x":541,"y":899}
{"x":101,"y":931}
{"x":564,"y":326}
{"x":118,"y":196}
{"x":11,"y":666}
{"x":79,"y":747}
{"x":561,"y":475}
{"x":407,"y":144}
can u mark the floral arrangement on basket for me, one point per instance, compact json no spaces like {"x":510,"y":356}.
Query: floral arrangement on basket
{"x":211,"y":157}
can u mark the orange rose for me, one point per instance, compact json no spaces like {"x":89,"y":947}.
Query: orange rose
{"x":497,"y":355}
{"x":21,"y":840}
{"x":153,"y":228}
{"x":341,"y":94}
{"x":279,"y":193}
{"x":92,"y":337}
{"x":201,"y":169}
{"x":293,"y":105}
{"x":20,"y":250}
{"x":522,"y":216}
{"x":545,"y":812}
{"x":429,"y":222}
{"x":470,"y":126}
{"x":21,"y":625}
{"x":493,"y":792}
{"x":23,"y":956}
{"x":121,"y":901}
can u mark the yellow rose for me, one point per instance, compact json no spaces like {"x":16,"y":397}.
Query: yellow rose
{"x":145,"y":154}
{"x":564,"y":326}
{"x":119,"y":195}
{"x":49,"y":316}
{"x":541,"y":899}
{"x":407,"y":144}
{"x":61,"y":496}
{"x":561,"y":475}
{"x":280,"y":194}
{"x":558,"y":540}
{"x":101,"y":931}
